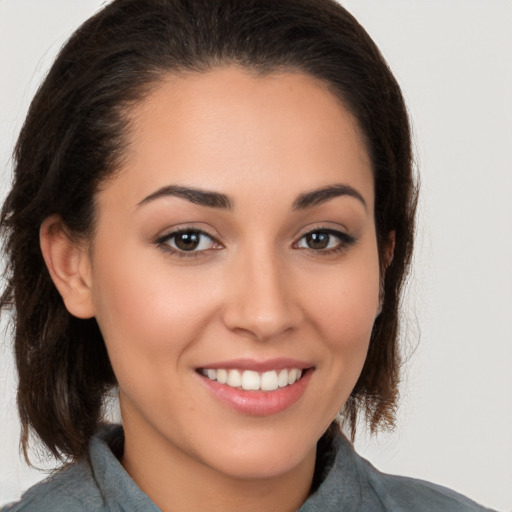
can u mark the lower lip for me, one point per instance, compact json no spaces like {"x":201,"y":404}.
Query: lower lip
{"x":259,"y":403}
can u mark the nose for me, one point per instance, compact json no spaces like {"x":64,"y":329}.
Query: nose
{"x":261,"y":300}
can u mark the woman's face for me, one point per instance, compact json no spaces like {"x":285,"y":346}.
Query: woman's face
{"x":236,"y":242}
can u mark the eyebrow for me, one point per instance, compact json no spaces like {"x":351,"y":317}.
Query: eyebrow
{"x":218,"y":200}
{"x":194,"y":195}
{"x":323,"y":194}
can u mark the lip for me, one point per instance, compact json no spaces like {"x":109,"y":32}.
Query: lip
{"x":258,"y":403}
{"x":259,"y":366}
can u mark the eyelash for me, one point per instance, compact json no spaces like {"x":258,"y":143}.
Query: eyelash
{"x":163,"y":243}
{"x":345,"y":241}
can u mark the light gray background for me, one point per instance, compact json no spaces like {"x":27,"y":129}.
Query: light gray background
{"x":454,"y":61}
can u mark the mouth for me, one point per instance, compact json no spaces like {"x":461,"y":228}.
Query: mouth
{"x":250,"y":380}
{"x":257,"y":388}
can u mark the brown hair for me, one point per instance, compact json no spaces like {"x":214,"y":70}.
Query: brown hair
{"x":72,"y":140}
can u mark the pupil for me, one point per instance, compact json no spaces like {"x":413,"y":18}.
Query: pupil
{"x":187,"y":241}
{"x":317,"y":240}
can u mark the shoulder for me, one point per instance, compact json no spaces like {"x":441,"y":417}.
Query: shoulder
{"x":69,"y":490}
{"x":399,"y":493}
{"x":352,"y":484}
{"x":100,"y":485}
{"x":412,"y":495}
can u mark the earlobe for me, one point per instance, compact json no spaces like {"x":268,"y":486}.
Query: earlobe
{"x":69,"y":266}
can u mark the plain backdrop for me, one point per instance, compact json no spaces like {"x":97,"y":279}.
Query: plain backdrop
{"x":453,"y":60}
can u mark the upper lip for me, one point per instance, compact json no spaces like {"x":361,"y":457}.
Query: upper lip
{"x":259,"y":366}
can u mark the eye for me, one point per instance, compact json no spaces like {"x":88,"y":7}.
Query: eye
{"x":187,"y":240}
{"x":326,"y":240}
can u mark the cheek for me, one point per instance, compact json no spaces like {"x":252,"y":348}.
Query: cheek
{"x":147,"y":313}
{"x":342,"y":309}
{"x":346,"y":305}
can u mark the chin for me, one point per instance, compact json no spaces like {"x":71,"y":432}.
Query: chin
{"x":266,"y":455}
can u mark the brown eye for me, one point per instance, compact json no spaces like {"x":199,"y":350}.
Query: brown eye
{"x":191,"y":241}
{"x":318,"y":240}
{"x":187,"y":241}
{"x":325,"y":240}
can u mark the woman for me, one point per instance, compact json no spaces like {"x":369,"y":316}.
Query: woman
{"x":213,"y":210}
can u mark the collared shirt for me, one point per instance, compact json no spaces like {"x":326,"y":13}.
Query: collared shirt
{"x":349,"y":484}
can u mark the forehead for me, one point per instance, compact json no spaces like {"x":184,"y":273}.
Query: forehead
{"x":228,"y":127}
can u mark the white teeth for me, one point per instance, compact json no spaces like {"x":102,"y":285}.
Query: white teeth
{"x":250,"y":380}
{"x":282,"y":379}
{"x":293,"y":375}
{"x":222,"y":376}
{"x":234,"y":378}
{"x":269,"y":381}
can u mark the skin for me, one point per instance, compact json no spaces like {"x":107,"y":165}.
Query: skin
{"x":254,"y":289}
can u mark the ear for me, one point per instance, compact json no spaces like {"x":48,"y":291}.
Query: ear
{"x":69,"y":265}
{"x":389,"y":250}
{"x":387,"y":258}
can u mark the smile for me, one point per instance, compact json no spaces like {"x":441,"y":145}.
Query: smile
{"x":250,"y":380}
